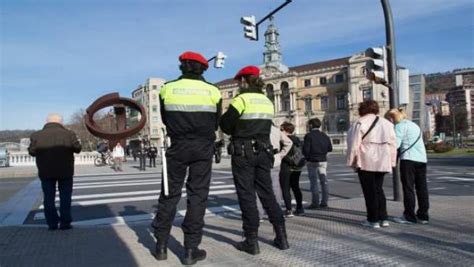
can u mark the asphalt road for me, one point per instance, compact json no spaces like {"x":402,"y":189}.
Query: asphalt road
{"x":113,"y":198}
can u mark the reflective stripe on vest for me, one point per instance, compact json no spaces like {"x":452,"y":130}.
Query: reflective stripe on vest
{"x":253,"y":106}
{"x":190,"y":108}
{"x":255,"y":116}
{"x":188,"y":95}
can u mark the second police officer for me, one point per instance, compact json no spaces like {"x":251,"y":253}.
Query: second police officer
{"x":248,"y":120}
{"x":190,"y":109}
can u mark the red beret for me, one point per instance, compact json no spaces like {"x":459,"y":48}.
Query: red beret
{"x":188,"y":55}
{"x":248,"y":70}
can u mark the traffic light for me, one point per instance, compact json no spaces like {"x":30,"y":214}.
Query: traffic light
{"x":375,"y":67}
{"x":250,"y":27}
{"x":219,"y":60}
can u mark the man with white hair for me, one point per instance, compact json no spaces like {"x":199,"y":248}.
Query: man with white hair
{"x":54,"y":147}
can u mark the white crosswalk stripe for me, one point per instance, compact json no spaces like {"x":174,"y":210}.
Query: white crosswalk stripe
{"x":123,"y":189}
{"x":116,"y":193}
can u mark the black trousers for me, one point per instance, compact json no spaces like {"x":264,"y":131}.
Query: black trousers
{"x":197,"y":156}
{"x":372,"y":187}
{"x":252,"y":175}
{"x":153,"y":161}
{"x":290,"y":180}
{"x":49,"y":196}
{"x":413,"y":177}
{"x":142,"y":163}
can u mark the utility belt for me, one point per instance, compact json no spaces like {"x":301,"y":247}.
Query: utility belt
{"x":249,"y":147}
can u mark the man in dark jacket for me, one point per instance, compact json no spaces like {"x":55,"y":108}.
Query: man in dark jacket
{"x":152,"y":152}
{"x":54,"y":147}
{"x":316,"y":146}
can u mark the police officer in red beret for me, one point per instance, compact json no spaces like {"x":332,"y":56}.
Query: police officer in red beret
{"x":248,"y":120}
{"x":190,"y":109}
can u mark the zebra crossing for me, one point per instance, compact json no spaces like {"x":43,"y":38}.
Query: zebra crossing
{"x":130,"y":197}
{"x":111,"y":193}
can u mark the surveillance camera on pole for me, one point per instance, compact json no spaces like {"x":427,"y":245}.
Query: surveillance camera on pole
{"x":376,"y":66}
{"x":219,"y":60}
{"x":250,"y":27}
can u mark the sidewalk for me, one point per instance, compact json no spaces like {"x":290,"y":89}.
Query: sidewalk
{"x":325,"y":237}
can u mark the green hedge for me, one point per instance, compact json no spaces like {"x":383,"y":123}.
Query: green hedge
{"x":442,"y":148}
{"x":430,"y":146}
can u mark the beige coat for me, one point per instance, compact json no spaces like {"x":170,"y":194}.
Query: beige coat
{"x":378,"y":151}
{"x":281,"y":142}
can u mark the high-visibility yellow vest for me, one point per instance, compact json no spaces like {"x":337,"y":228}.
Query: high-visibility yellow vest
{"x":253,"y":106}
{"x":189,"y":95}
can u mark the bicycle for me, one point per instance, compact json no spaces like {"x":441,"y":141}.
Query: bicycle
{"x":101,"y":160}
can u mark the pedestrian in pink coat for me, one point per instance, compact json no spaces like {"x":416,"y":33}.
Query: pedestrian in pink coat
{"x":372,"y":152}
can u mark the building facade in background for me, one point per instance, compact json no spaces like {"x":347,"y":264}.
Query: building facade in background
{"x":416,"y":107}
{"x":461,"y":97}
{"x":147,"y":94}
{"x":329,"y":90}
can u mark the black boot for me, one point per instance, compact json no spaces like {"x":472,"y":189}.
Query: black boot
{"x":192,"y":255}
{"x":250,"y":244}
{"x":161,"y":251}
{"x":281,"y":240}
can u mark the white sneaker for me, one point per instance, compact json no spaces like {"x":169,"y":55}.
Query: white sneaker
{"x":384,"y":223}
{"x":423,"y":221}
{"x":402,"y":220}
{"x":370,"y":224}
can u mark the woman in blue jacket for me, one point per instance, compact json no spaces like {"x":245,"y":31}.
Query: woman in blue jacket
{"x":412,"y":154}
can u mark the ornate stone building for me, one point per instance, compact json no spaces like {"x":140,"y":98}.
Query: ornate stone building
{"x":328,"y":90}
{"x":148,"y":95}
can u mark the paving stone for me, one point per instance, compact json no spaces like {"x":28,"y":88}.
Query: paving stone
{"x":322,"y":237}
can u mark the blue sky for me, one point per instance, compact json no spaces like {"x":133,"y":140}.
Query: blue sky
{"x":60,"y":55}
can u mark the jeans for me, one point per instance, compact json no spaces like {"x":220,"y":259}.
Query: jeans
{"x":118,"y":164}
{"x":142,"y":163}
{"x":49,"y":196}
{"x":275,"y":174}
{"x":318,"y":170}
{"x":413,"y":177}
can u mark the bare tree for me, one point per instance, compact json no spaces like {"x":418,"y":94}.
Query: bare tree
{"x":104,"y":120}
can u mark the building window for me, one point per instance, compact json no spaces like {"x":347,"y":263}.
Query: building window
{"x":230,"y":94}
{"x":367,"y":94}
{"x":307,"y":83}
{"x":341,"y":102}
{"x":323,"y":80}
{"x":154,"y":108}
{"x":416,"y":105}
{"x":416,"y":115}
{"x":155,"y":131}
{"x":339,"y":78}
{"x":324,"y":102}
{"x":285,"y":96}
{"x":308,"y":104}
{"x":336,"y":141}
{"x":417,"y":96}
{"x":155,"y":118}
{"x":270,"y":92}
{"x":154,"y":87}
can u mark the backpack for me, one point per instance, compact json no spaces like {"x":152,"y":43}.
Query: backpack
{"x":295,"y":157}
